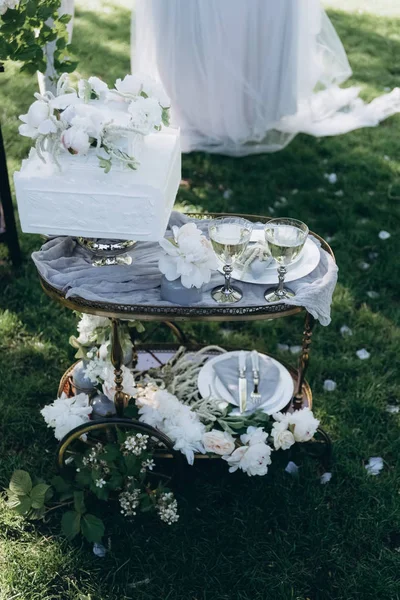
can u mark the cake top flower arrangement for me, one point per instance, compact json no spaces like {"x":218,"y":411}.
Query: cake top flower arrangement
{"x":113,"y":121}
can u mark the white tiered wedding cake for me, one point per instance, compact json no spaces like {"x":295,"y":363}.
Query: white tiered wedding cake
{"x":105,"y":163}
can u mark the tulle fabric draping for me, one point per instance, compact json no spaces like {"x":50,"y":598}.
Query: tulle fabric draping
{"x":245,"y":76}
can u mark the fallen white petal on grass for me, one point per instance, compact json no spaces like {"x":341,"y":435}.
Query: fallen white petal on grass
{"x":99,"y":550}
{"x":339,"y":193}
{"x":384,"y":235}
{"x":371,"y":193}
{"x":331,"y":177}
{"x":375,"y":465}
{"x":364,"y":221}
{"x":393,"y":409}
{"x":295,"y":349}
{"x":373,"y":295}
{"x":364,"y":266}
{"x":330,"y":385}
{"x":271,"y":210}
{"x":386,"y":157}
{"x":295,"y":191}
{"x":373,"y":255}
{"x":227,"y":194}
{"x":321,"y":190}
{"x":330,"y":238}
{"x":325,"y":478}
{"x":292,"y":468}
{"x":345,"y":330}
{"x":283,"y":347}
{"x":363,"y":354}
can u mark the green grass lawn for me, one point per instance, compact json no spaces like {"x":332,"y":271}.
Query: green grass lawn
{"x":240,"y":538}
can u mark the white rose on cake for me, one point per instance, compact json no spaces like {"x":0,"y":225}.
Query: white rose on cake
{"x":39,"y":120}
{"x":76,"y":140}
{"x":189,"y":256}
{"x":218,"y":442}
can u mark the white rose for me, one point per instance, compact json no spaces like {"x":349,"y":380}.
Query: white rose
{"x":76,"y":140}
{"x":303,"y":424}
{"x":235,"y":458}
{"x":218,"y":442}
{"x":98,"y":86}
{"x":37,"y":121}
{"x":283,"y":438}
{"x":153,"y":89}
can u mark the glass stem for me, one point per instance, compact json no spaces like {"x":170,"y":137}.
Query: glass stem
{"x":227,"y":273}
{"x":281,"y":278}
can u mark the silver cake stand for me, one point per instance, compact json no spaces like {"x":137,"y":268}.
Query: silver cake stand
{"x":107,"y":252}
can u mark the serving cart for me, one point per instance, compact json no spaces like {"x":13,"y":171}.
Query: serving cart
{"x":153,"y":355}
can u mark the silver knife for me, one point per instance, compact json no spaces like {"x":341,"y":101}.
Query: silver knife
{"x":242,"y":382}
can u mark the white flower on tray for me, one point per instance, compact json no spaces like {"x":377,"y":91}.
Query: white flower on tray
{"x":64,"y":414}
{"x":218,"y":442}
{"x":254,"y":458}
{"x":87,"y":328}
{"x":189,"y":256}
{"x":283,"y":438}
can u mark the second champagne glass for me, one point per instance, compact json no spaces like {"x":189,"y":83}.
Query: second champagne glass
{"x":285,"y":238}
{"x":229,"y":237}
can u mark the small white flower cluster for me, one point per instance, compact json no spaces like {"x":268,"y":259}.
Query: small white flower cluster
{"x":64,"y":414}
{"x":254,"y":456}
{"x":298,"y":426}
{"x":91,"y":459}
{"x":100,"y":483}
{"x":189,"y":256}
{"x":178,"y":421}
{"x":167,"y":508}
{"x":135,"y":444}
{"x":95,"y":116}
{"x":129,"y":501}
{"x":6,"y":4}
{"x":148,"y":464}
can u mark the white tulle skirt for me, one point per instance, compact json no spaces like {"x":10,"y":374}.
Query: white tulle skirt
{"x":245,"y":76}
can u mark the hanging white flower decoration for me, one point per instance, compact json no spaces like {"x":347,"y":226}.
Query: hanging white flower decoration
{"x":189,"y":256}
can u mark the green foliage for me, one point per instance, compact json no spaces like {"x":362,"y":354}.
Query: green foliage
{"x":25,"y":30}
{"x":26,"y":499}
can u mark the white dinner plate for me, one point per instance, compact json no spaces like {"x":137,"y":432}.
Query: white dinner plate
{"x":209,"y":384}
{"x":306,"y":263}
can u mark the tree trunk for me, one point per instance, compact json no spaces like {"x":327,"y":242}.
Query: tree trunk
{"x":47,"y":79}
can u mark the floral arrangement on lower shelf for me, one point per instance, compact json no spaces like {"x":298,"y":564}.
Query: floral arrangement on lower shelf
{"x":167,"y":400}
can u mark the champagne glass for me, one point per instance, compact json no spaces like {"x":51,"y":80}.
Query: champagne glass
{"x":229,"y":238}
{"x":285,"y":238}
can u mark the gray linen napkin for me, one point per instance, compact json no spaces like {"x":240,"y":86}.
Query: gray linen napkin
{"x":228,"y":372}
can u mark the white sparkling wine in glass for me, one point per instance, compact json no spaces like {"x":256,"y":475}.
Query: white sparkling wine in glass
{"x":285,"y":242}
{"x":229,"y":240}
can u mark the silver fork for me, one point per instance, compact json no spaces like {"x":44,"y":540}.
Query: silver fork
{"x":255,"y":363}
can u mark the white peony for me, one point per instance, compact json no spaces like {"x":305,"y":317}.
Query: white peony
{"x":283,"y":438}
{"x":64,"y":414}
{"x":76,"y":140}
{"x":253,"y":460}
{"x":39,"y":120}
{"x":6,"y":4}
{"x":178,"y":421}
{"x":87,"y":328}
{"x":303,"y":424}
{"x":130,"y":85}
{"x":254,"y":435}
{"x":98,"y":86}
{"x":218,"y":442}
{"x":145,"y":113}
{"x":153,"y":89}
{"x":189,"y":257}
{"x":147,"y":396}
